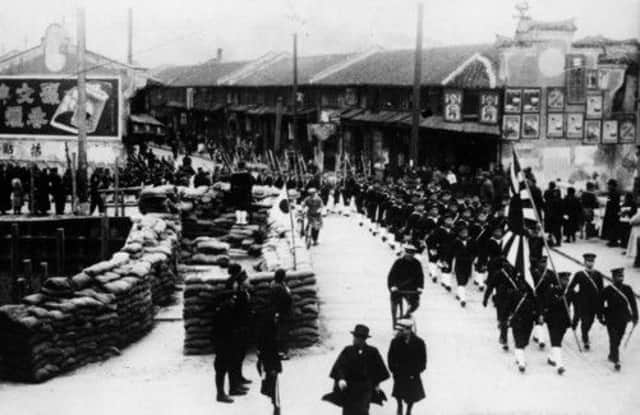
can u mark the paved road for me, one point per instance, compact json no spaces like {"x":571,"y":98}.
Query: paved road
{"x":467,"y":372}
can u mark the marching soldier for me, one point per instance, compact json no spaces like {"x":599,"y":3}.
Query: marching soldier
{"x":584,"y":292}
{"x":407,"y":359}
{"x":542,"y":277}
{"x":618,"y":307}
{"x":555,"y":313}
{"x":500,"y":279}
{"x":431,"y":225}
{"x":524,"y":312}
{"x":464,"y":253}
{"x":446,"y":238}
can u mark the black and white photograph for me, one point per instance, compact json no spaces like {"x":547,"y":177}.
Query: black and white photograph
{"x":297,"y":207}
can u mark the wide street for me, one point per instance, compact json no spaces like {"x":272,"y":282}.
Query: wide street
{"x":467,"y":373}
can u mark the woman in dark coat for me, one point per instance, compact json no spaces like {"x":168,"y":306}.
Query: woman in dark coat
{"x":407,"y":359}
{"x":572,"y":215}
{"x":610,"y":223}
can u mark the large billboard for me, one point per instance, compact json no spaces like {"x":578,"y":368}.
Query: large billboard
{"x":47,"y":107}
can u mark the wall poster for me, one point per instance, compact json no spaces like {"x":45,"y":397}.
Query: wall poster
{"x":511,"y":127}
{"x":610,"y":132}
{"x":594,"y":105}
{"x":531,"y":126}
{"x":575,"y":125}
{"x":513,"y":101}
{"x":453,"y":105}
{"x":555,"y":99}
{"x":489,"y":102}
{"x":627,"y":128}
{"x":531,"y":100}
{"x":592,"y":131}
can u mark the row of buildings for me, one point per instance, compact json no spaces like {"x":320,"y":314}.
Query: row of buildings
{"x":562,"y":103}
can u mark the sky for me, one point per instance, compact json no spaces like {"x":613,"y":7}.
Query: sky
{"x":189,"y":31}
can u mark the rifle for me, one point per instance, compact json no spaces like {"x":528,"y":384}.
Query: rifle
{"x":629,"y":336}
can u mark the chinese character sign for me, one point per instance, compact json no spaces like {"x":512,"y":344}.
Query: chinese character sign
{"x":489,"y":108}
{"x":49,"y":106}
{"x":453,"y":105}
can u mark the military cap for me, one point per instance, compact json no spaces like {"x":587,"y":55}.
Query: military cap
{"x":409,"y":248}
{"x":617,"y":272}
{"x":564,"y":274}
{"x":589,"y":256}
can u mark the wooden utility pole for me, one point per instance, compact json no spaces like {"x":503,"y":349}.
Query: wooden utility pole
{"x":294,"y":133}
{"x":83,"y":191}
{"x":278,"y":127}
{"x":130,"y":37}
{"x":417,"y":79}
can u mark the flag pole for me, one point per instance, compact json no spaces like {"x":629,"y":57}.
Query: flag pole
{"x":548,"y":250}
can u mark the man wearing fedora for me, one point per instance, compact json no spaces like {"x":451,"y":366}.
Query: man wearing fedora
{"x":618,"y":307}
{"x":584,"y":293}
{"x":407,"y":359}
{"x":358,"y":372}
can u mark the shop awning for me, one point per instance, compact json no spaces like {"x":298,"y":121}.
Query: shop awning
{"x":380,"y":117}
{"x":262,"y":110}
{"x":208,"y":108}
{"x":146,"y":124}
{"x":437,"y":122}
{"x":350,"y":113}
{"x":399,"y":117}
{"x":238,"y":108}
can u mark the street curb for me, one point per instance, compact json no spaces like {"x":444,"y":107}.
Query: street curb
{"x":577,"y":261}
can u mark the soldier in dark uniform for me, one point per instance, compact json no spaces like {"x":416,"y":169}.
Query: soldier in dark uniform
{"x":280,"y":305}
{"x":406,"y":275}
{"x":446,"y":238}
{"x":431,"y":225}
{"x":269,"y":363}
{"x":542,"y":277}
{"x":358,"y":372}
{"x":618,"y":307}
{"x":554,"y":311}
{"x":223,"y":340}
{"x":237,"y":281}
{"x":479,"y":233}
{"x":407,"y":359}
{"x":241,"y":185}
{"x":501,"y":279}
{"x":464,"y":253}
{"x":57,"y":191}
{"x":584,"y":293}
{"x":524,"y":312}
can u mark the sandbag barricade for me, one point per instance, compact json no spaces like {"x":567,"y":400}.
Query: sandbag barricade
{"x":90,"y":316}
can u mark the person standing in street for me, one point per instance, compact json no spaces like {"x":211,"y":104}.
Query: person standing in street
{"x":584,"y":292}
{"x":313,"y":205}
{"x":407,"y":359}
{"x":241,"y":187}
{"x":237,"y":281}
{"x":223,"y":340}
{"x":618,"y":307}
{"x":554,"y":311}
{"x":406,"y":281}
{"x":280,"y":304}
{"x":611,"y":220}
{"x":57,"y":191}
{"x":269,"y":363}
{"x":357,"y":373}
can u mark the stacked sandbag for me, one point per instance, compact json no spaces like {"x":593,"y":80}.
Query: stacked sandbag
{"x":87,"y":317}
{"x":202,"y":297}
{"x":200,"y":302}
{"x":158,"y":199}
{"x":205,"y":250}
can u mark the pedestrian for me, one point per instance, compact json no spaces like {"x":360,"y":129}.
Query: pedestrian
{"x":17,"y":195}
{"x":96,"y":198}
{"x":554,"y":216}
{"x":313,"y":205}
{"x":610,"y":223}
{"x":57,"y":191}
{"x":223,"y":340}
{"x":280,"y":304}
{"x":407,"y":359}
{"x":524,"y":312}
{"x":584,"y":293}
{"x":5,"y":189}
{"x":572,"y":215}
{"x":237,"y":281}
{"x":555,"y":313}
{"x":589,"y":203}
{"x":42,"y":191}
{"x":241,"y":196}
{"x":405,"y":281}
{"x":618,"y":308}
{"x":464,"y":253}
{"x":501,"y":279}
{"x":269,"y":363}
{"x":357,"y":374}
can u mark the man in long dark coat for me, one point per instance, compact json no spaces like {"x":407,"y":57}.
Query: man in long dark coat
{"x":223,"y":340}
{"x":269,"y":363}
{"x":5,"y":189}
{"x":358,"y":372}
{"x":407,"y":359}
{"x":611,"y":220}
{"x":618,"y":308}
{"x":57,"y":191}
{"x":406,"y":280}
{"x":584,"y":292}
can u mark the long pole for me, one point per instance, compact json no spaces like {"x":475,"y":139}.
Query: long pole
{"x":549,"y":256}
{"x":130,"y":37}
{"x":83,"y":194}
{"x":294,"y":133}
{"x":417,"y":79}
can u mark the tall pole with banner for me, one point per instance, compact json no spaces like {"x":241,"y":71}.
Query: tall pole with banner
{"x":82,"y":180}
{"x":417,"y":79}
{"x":294,"y":124}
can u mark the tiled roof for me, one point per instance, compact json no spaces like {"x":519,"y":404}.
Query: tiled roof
{"x":280,"y":72}
{"x":599,"y":41}
{"x":395,"y":67}
{"x":206,"y":74}
{"x":526,"y":25}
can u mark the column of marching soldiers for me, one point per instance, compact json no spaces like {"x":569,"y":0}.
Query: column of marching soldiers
{"x":461,"y":240}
